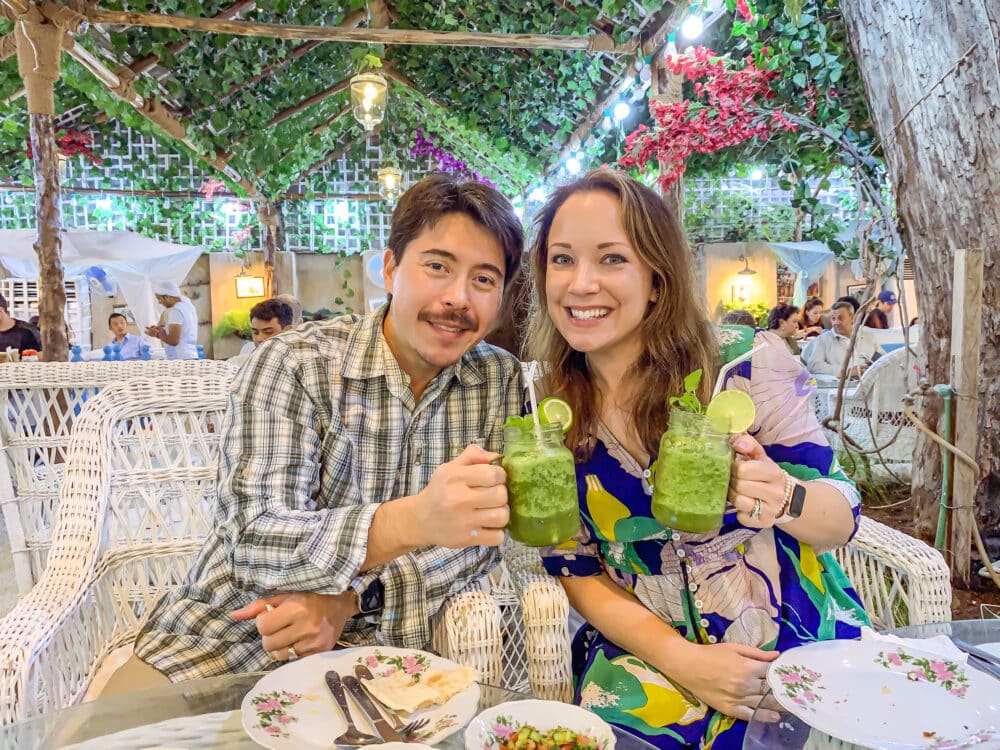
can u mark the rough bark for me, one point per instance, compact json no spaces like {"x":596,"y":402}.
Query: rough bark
{"x":272,"y":221}
{"x":930,"y":71}
{"x":48,"y":246}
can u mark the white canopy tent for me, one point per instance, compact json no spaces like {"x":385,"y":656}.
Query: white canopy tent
{"x":809,"y":260}
{"x":131,"y":260}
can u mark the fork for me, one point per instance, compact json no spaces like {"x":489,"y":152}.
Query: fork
{"x":352,"y":736}
{"x":406,"y":731}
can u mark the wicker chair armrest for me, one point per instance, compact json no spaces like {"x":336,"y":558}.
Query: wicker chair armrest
{"x":546,"y":636}
{"x":44,"y":666}
{"x":901,"y":580}
{"x":467,"y":631}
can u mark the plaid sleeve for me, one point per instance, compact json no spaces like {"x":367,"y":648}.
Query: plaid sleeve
{"x":417,"y":585}
{"x":269,"y":475}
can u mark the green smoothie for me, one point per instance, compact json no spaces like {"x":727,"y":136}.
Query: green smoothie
{"x":541,"y":489}
{"x":692,"y":476}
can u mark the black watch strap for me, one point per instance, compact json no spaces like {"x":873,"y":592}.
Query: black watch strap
{"x":797,"y":501}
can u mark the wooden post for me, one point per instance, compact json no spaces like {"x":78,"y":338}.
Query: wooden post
{"x":967,"y":303}
{"x":39,"y":44}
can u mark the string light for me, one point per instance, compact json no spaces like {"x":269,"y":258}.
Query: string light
{"x":621,"y":111}
{"x":692,"y":27}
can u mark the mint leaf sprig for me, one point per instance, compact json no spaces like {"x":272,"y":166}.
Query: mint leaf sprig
{"x":689,"y":401}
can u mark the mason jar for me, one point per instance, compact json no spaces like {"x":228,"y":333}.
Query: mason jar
{"x":691,"y":480}
{"x":541,"y":486}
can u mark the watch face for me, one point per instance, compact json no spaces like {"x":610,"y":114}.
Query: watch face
{"x":797,"y":501}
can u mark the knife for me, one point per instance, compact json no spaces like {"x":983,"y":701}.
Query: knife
{"x":369,"y":709}
{"x":364,"y":674}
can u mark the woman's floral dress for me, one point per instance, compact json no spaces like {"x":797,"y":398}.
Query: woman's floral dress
{"x":761,"y":588}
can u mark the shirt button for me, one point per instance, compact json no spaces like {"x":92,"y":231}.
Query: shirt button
{"x":646,"y":473}
{"x":692,"y":587}
{"x":674,"y":536}
{"x":712,"y":639}
{"x":697,"y":603}
{"x":703,"y":622}
{"x":681,"y":552}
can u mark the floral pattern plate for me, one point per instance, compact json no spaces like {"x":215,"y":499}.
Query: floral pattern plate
{"x":886,"y":696}
{"x":494,"y":725}
{"x":291,"y":708}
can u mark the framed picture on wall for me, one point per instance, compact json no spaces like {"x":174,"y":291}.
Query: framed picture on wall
{"x":856,"y":291}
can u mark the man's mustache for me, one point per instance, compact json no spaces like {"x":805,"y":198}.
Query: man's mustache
{"x":456,"y":319}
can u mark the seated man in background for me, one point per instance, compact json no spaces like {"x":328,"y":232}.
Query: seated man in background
{"x":267,"y":319}
{"x":356,"y":492}
{"x":825,"y":354}
{"x":15,"y":333}
{"x":128,"y":343}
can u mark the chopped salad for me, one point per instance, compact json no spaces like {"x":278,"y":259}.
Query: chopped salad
{"x":560,"y":738}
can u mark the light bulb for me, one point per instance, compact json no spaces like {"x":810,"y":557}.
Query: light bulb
{"x":390,"y":181}
{"x":621,"y":111}
{"x":757,"y":174}
{"x":692,"y":26}
{"x":607,"y":123}
{"x":368,"y":92}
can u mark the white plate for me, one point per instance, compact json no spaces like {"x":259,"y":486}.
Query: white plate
{"x":888,"y":697}
{"x":291,"y":708}
{"x":490,"y":727}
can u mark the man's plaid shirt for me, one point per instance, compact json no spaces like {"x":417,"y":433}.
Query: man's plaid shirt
{"x":322,"y":428}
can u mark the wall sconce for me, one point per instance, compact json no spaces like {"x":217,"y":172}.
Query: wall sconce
{"x":249,"y":286}
{"x":747,"y":271}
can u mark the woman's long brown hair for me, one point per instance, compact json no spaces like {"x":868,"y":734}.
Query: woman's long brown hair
{"x":676,"y":335}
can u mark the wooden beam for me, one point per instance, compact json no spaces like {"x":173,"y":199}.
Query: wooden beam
{"x":291,"y":112}
{"x":593,"y":43}
{"x":966,"y":328}
{"x":143,"y":64}
{"x":11,"y":187}
{"x":323,"y":126}
{"x":353,"y":20}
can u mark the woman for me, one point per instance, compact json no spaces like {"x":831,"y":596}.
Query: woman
{"x":877,"y":319}
{"x":680,"y":627}
{"x":179,"y":328}
{"x":811,"y":318}
{"x":782,"y":322}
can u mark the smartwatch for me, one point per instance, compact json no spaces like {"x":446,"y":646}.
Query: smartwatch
{"x":370,"y":600}
{"x":797,"y":501}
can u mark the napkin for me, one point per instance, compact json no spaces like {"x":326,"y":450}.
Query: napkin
{"x":939,"y":645}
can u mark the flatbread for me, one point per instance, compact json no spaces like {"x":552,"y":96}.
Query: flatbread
{"x":401,"y":692}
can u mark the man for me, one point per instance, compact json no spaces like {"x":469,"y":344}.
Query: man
{"x":354,"y":494}
{"x":179,"y":331}
{"x":14,"y":333}
{"x":128,"y":343}
{"x":296,"y":308}
{"x":267,"y":319}
{"x":887,"y":304}
{"x":825,"y":354}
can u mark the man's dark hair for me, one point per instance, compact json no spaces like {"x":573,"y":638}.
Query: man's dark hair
{"x":438,"y":195}
{"x":849,"y":299}
{"x":112,"y":316}
{"x":739,"y":318}
{"x":843,"y":304}
{"x":270,"y":309}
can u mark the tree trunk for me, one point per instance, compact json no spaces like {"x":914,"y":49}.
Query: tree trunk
{"x":272,"y":221}
{"x":930,"y":72}
{"x":48,"y":247}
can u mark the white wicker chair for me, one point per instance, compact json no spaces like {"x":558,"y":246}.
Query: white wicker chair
{"x":39,"y":402}
{"x":873,"y":411}
{"x":136,"y":502}
{"x":900,"y":580}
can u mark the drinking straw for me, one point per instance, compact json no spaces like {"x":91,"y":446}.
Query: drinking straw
{"x":725,"y":370}
{"x":529,"y":370}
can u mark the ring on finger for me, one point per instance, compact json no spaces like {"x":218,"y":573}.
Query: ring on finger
{"x":291,"y":653}
{"x":763,"y":687}
{"x":758,"y":505}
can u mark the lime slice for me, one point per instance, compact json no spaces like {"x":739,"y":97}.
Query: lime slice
{"x":734,"y":410}
{"x":556,"y":410}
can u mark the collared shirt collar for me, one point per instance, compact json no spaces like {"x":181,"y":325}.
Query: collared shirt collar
{"x":368,"y":355}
